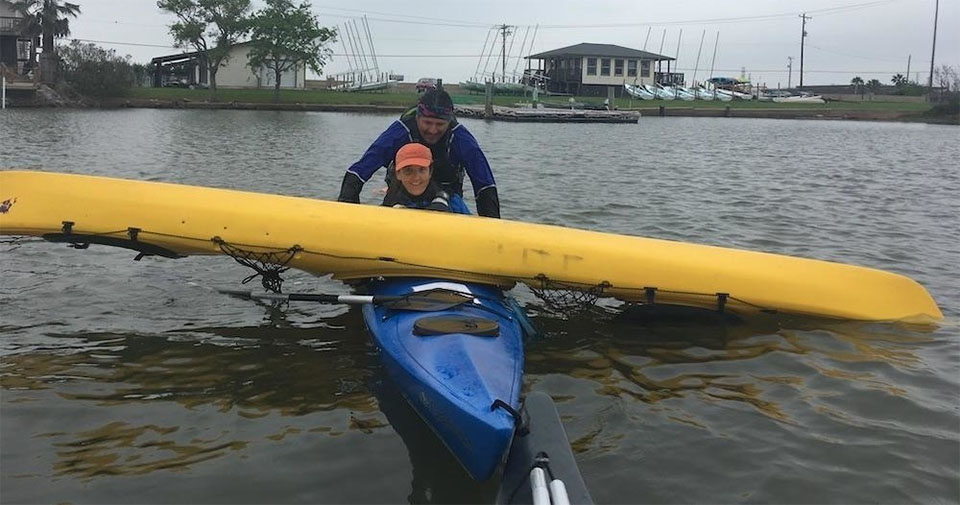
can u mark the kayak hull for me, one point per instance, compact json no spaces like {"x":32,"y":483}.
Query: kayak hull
{"x":455,"y":381}
{"x":355,"y":242}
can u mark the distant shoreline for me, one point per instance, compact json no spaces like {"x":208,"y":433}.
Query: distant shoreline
{"x":395,"y":102}
{"x":646,"y":112}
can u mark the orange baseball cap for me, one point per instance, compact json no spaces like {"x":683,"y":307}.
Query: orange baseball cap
{"x":414,"y":154}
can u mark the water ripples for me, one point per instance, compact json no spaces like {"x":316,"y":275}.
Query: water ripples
{"x":140,"y":369}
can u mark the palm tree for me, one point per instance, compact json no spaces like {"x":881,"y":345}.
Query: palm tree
{"x":46,"y":19}
{"x":857,"y":83}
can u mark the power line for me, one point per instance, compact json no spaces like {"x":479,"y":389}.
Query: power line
{"x":125,"y":43}
{"x":431,"y":21}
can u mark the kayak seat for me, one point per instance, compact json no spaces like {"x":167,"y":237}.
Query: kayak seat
{"x":452,"y":324}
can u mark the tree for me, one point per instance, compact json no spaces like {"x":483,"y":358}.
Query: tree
{"x":899,"y":80}
{"x":205,"y":22}
{"x":47,"y":19}
{"x":947,"y":77}
{"x":285,"y":36}
{"x":857,"y":83}
{"x":95,"y":71}
{"x":873,"y":85}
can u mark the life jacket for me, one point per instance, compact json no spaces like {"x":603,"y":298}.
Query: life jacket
{"x":433,"y":198}
{"x":448,"y":176}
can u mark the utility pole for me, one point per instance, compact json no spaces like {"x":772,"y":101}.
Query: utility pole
{"x":789,"y":72}
{"x":908,"y":68}
{"x":504,"y":31}
{"x":933,"y":51}
{"x":803,"y":36}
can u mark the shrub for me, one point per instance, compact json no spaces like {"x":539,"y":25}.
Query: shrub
{"x":94,"y":71}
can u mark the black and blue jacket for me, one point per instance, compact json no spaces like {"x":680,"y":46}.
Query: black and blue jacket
{"x":456,"y":153}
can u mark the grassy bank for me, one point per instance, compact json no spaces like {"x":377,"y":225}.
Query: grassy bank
{"x":401,"y":99}
{"x":393,"y":100}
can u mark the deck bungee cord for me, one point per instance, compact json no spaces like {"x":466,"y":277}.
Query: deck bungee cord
{"x":566,"y":298}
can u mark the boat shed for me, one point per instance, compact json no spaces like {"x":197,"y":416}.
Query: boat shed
{"x":190,"y":69}
{"x":591,"y":69}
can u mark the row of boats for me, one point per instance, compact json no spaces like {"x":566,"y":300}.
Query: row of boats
{"x":499,"y":88}
{"x":663,"y":92}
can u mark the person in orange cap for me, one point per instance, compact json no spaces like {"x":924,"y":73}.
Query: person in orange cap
{"x":456,"y":153}
{"x":413,"y":186}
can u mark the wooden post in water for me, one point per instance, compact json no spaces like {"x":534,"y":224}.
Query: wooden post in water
{"x":488,"y":107}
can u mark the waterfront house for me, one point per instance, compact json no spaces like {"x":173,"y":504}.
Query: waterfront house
{"x":16,"y":50}
{"x":591,"y":69}
{"x":190,"y":69}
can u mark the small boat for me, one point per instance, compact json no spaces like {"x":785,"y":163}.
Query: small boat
{"x":680,"y":92}
{"x":658,"y":92}
{"x":541,"y":451}
{"x":460,"y":368}
{"x":799,"y":99}
{"x":730,"y":86}
{"x":638,"y":92}
{"x":703,"y":94}
{"x":471,"y":85}
{"x":719,"y":94}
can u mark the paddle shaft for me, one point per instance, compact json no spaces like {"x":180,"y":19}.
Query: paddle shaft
{"x":321,"y":298}
{"x":428,"y":301}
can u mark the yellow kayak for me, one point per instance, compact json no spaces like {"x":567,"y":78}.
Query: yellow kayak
{"x":362,"y":241}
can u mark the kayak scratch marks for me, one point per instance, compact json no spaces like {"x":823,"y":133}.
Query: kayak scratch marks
{"x":568,"y":258}
{"x":540,"y":252}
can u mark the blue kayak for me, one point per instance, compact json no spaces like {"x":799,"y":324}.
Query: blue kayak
{"x":460,"y":368}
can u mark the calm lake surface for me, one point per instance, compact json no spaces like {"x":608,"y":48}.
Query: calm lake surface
{"x":136,"y":382}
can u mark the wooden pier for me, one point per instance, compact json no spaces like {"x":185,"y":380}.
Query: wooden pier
{"x":532,"y":115}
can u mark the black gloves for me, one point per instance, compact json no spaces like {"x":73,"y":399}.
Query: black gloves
{"x":350,"y":188}
{"x":488,"y":203}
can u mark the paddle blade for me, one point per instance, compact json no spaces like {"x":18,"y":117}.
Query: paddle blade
{"x":425,"y":301}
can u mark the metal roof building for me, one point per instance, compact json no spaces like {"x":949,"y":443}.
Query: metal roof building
{"x":591,"y":69}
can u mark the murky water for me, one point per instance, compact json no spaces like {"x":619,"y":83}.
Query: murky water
{"x":136,"y":382}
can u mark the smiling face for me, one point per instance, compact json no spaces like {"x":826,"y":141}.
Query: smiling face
{"x":431,"y":128}
{"x":414,"y":178}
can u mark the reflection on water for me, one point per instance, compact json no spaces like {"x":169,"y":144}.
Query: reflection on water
{"x":124,"y":378}
{"x":250,"y":373}
{"x":121,"y":449}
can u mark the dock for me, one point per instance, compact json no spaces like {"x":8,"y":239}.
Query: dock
{"x":540,"y":115}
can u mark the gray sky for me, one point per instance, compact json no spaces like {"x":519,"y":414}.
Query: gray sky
{"x":872,"y":39}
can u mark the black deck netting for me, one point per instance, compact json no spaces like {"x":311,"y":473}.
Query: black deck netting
{"x":567,"y":299}
{"x":268,"y":265}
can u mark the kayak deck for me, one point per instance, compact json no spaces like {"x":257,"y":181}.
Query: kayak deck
{"x":457,"y":382}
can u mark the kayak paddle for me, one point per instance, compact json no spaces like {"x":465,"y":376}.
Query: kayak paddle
{"x":423,"y":301}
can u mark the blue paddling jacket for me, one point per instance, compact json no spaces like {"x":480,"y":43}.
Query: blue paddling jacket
{"x":456,"y":153}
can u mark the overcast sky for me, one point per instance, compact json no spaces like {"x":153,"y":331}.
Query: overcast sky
{"x":872,"y":39}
